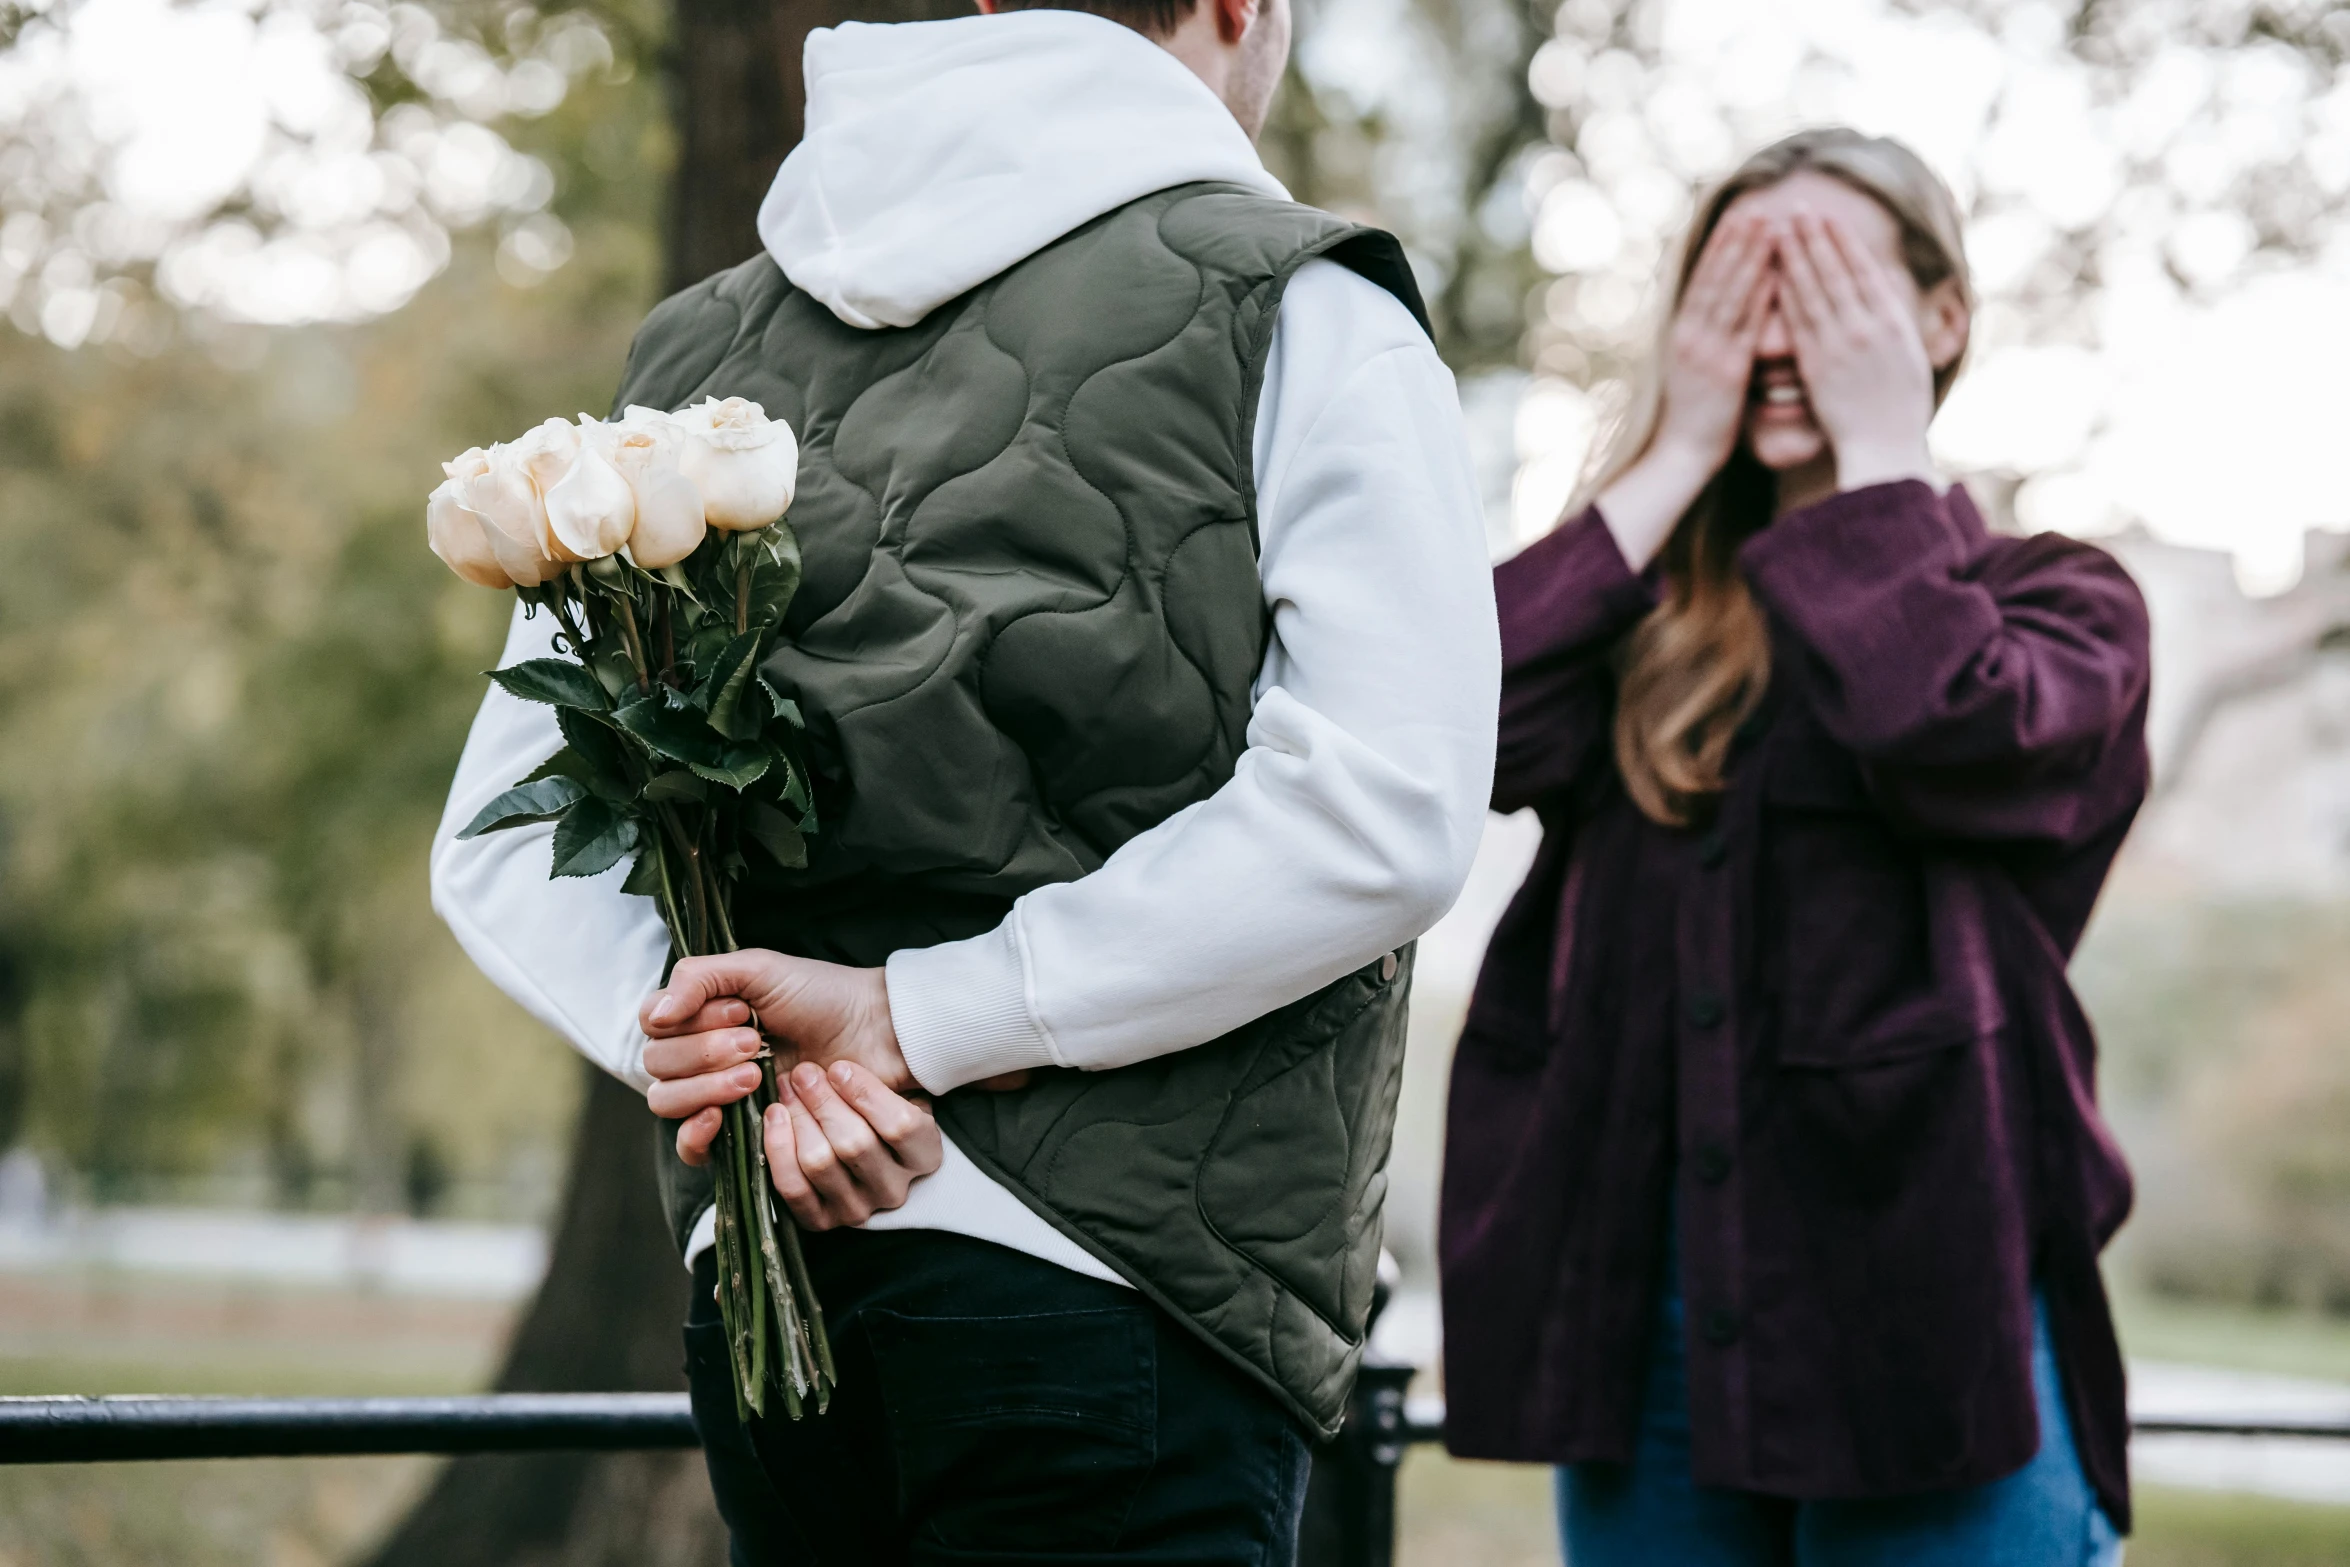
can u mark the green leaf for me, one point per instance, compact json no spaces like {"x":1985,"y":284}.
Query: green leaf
{"x":592,"y":838}
{"x":558,"y":682}
{"x":644,"y":877}
{"x":795,"y":789}
{"x":775,"y":571}
{"x":602,"y":759}
{"x":613,"y":671}
{"x":738,"y":766}
{"x":541,"y":800}
{"x":676,"y":786}
{"x":565,"y":763}
{"x":730,"y":676}
{"x":776,"y":833}
{"x":675,"y":732}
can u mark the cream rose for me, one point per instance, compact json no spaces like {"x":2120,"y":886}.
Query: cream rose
{"x":460,"y":537}
{"x":590,"y":508}
{"x":744,"y":463}
{"x":644,"y":446}
{"x":494,"y":488}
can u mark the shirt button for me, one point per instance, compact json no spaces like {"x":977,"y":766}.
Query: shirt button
{"x":1720,"y":1327}
{"x":1705,"y":1009}
{"x":1713,"y":849}
{"x":1713,"y":1164}
{"x":1387,"y":967}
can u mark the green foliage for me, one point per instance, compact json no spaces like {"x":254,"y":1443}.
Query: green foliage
{"x":233,"y":684}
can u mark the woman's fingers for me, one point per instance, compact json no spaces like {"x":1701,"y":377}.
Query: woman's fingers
{"x":1872,"y":284}
{"x":1837,"y":284}
{"x":1805,"y":296}
{"x":1713,"y":295}
{"x":696,"y":1133}
{"x":1750,"y":288}
{"x":678,"y":1097}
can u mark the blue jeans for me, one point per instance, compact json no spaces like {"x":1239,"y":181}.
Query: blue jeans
{"x":1650,"y":1513}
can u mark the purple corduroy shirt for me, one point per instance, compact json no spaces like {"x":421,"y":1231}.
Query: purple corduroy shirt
{"x":1827,"y":1029}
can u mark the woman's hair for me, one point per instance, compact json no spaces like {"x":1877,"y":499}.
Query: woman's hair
{"x":1697,"y":664}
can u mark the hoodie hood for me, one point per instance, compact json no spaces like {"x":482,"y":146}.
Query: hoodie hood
{"x":937,"y":154}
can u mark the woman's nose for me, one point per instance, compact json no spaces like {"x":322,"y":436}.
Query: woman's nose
{"x":1776,"y":341}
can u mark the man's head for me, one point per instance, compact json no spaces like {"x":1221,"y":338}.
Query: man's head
{"x":1238,"y":47}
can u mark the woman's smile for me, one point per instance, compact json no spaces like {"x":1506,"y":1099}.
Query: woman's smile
{"x":1776,"y":395}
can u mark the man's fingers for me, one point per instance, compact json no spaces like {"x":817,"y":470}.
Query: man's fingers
{"x":832,"y":1180}
{"x":697,"y":982}
{"x":854,"y":1142}
{"x":675,"y":1098}
{"x":690,"y":1054}
{"x":696,"y":1133}
{"x":910,"y":1130}
{"x":783,"y":1171}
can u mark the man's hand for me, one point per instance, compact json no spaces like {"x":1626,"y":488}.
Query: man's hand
{"x":841,"y":1148}
{"x":704,"y":1043}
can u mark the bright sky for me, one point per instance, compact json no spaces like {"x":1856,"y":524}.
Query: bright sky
{"x":2214,"y":415}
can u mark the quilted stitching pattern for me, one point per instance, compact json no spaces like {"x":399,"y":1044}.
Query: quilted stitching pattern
{"x":1027,"y":630}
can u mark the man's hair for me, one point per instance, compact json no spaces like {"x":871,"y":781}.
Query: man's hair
{"x":1157,"y":18}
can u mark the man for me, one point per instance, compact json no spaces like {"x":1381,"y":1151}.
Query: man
{"x":1147,"y":649}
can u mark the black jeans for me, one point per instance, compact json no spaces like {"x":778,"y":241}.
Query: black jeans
{"x":995,"y":1408}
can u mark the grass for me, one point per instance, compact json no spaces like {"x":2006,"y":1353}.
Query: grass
{"x":1456,"y":1514}
{"x":2244,"y":1338}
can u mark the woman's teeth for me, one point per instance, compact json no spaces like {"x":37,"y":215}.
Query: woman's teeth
{"x":1785,"y":396}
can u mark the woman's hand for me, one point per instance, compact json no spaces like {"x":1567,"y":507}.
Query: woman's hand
{"x":841,"y":1147}
{"x":1864,"y":364}
{"x":1708,"y":373}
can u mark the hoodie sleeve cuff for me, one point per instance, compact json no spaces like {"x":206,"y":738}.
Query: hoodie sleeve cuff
{"x":961,"y":1010}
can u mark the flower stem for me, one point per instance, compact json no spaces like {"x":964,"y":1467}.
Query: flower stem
{"x":636,"y":644}
{"x":744,"y":562}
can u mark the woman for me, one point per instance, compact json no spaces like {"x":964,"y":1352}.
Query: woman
{"x":1775,"y":1185}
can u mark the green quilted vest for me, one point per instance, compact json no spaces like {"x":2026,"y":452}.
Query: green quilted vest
{"x":1027,"y":630}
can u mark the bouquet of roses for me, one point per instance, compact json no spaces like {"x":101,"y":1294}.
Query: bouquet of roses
{"x":656,"y":543}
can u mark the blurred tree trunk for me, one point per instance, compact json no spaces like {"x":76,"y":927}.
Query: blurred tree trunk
{"x":606,"y":1318}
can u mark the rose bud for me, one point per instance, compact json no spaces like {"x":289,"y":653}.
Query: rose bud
{"x":744,"y":463}
{"x":460,"y":537}
{"x":590,"y":510}
{"x":644,"y":447}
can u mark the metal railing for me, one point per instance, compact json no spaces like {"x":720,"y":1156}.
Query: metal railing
{"x":1350,"y":1512}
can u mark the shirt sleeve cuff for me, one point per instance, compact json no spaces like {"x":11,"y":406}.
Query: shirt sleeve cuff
{"x":961,"y":1010}
{"x":1869,"y":535}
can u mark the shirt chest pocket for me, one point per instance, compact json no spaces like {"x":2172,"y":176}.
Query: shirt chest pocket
{"x":1856,"y":958}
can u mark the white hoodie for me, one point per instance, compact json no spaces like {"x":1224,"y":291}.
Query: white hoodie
{"x":937,"y":154}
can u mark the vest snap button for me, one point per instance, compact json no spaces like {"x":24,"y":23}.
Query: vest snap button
{"x":1387,"y":968}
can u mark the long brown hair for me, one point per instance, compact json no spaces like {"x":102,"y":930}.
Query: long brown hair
{"x":1697,"y":665}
